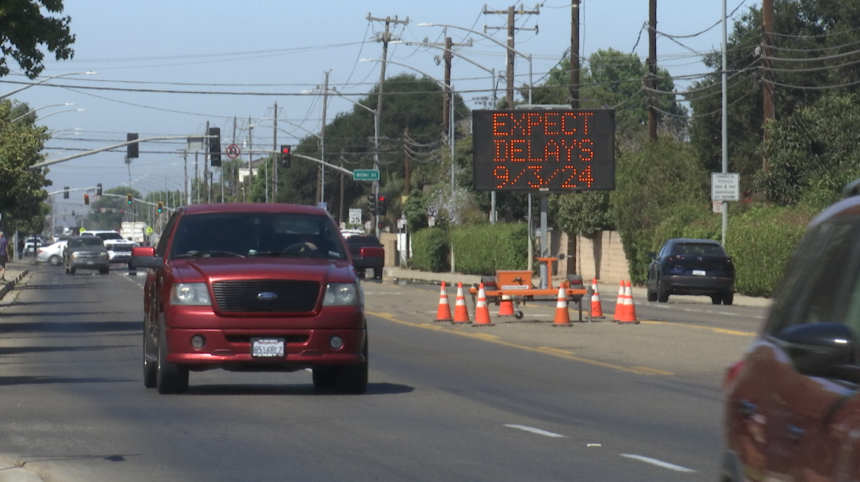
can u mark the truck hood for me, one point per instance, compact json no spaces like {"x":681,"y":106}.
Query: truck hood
{"x":220,"y":269}
{"x":119,"y":242}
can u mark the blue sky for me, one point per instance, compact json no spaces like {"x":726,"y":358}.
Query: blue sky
{"x":284,"y":48}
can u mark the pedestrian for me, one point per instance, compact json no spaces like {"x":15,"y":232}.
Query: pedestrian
{"x":4,"y":245}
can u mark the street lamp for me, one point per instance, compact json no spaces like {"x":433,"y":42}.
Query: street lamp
{"x":61,"y":111}
{"x":39,"y":108}
{"x":45,"y":80}
{"x":525,"y":56}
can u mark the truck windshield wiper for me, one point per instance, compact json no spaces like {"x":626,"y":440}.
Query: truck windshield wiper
{"x":208,"y":254}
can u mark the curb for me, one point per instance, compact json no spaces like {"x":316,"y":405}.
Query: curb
{"x":9,"y":286}
{"x":13,"y":471}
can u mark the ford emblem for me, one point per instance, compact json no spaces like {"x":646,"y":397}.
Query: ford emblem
{"x":267,"y":295}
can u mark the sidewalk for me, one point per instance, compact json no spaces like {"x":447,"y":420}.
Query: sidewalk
{"x":607,"y":292}
{"x":15,"y":272}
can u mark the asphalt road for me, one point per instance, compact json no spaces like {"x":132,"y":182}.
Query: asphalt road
{"x":520,"y":400}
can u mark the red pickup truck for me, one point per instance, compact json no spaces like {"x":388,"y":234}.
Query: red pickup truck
{"x":367,"y":253}
{"x":252,"y":287}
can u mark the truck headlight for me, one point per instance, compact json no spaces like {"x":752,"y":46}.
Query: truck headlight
{"x":195,"y":294}
{"x":343,"y":294}
{"x":103,"y":255}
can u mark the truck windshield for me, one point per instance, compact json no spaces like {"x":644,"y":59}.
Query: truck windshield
{"x":107,"y":236}
{"x":256,"y":234}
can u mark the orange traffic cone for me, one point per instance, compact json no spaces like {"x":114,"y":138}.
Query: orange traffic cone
{"x":506,"y":308}
{"x":444,"y":312}
{"x":562,"y":317}
{"x":619,"y":303}
{"x":461,"y":313}
{"x":629,"y":313}
{"x":482,"y":312}
{"x":596,"y":308}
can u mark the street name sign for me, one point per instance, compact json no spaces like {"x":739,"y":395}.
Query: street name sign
{"x":365,"y":175}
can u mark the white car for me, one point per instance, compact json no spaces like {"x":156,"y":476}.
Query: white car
{"x":52,"y":253}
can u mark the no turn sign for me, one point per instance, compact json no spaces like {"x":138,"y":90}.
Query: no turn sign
{"x":233,"y":151}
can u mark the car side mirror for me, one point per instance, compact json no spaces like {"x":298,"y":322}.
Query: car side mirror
{"x":652,"y":255}
{"x":821,"y":350}
{"x":144,"y":257}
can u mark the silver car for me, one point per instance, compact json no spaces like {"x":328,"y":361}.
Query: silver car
{"x":52,"y":253}
{"x":86,"y":252}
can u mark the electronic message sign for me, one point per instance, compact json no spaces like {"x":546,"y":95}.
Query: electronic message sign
{"x":543,"y":150}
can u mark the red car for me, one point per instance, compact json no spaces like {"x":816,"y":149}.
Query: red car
{"x":792,"y":407}
{"x":252,"y":287}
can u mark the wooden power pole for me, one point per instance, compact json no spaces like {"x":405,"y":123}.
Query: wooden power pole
{"x":574,"y":55}
{"x":652,"y":70}
{"x":511,"y":12}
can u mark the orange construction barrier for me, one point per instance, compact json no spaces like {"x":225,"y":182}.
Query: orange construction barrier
{"x":596,"y":308}
{"x":444,"y":312}
{"x":506,"y":308}
{"x":619,"y":303}
{"x":461,"y":313}
{"x":629,"y":314}
{"x":482,"y":312}
{"x":562,"y":317}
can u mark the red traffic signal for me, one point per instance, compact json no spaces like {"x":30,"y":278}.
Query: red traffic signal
{"x":380,"y":206}
{"x":86,"y":199}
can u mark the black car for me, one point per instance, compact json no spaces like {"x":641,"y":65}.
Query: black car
{"x":691,"y":267}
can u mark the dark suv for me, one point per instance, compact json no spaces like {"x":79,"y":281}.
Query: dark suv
{"x":252,"y":287}
{"x":792,"y":410}
{"x":691,"y":267}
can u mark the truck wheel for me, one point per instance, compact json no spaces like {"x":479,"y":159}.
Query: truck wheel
{"x":169,"y":378}
{"x":150,"y":367}
{"x":377,"y":273}
{"x":353,"y":378}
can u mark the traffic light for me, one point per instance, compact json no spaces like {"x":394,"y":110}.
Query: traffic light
{"x":160,"y":207}
{"x":87,"y":199}
{"x":131,"y":150}
{"x":128,"y":199}
{"x":214,"y":147}
{"x":380,"y":206}
{"x":285,"y":156}
{"x":371,"y":203}
{"x":66,"y":192}
{"x":98,"y":189}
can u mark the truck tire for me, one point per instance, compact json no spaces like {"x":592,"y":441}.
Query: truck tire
{"x":377,"y":273}
{"x":169,"y":378}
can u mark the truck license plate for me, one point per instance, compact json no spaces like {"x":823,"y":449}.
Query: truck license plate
{"x":698,"y":272}
{"x":267,"y":347}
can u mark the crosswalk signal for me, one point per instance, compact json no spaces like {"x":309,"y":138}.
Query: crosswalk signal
{"x":128,"y":199}
{"x":87,"y":199}
{"x":371,"y":203}
{"x":215,"y":147}
{"x":286,"y":154}
{"x":160,"y":207}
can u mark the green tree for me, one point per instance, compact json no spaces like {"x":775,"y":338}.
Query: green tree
{"x":109,"y":211}
{"x":21,"y":187}
{"x":25,"y":30}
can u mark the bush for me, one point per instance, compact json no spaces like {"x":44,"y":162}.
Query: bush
{"x":485,"y":248}
{"x":430,"y":250}
{"x":760,"y":242}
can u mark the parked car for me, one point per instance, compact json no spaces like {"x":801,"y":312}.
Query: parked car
{"x":31,"y":243}
{"x":86,"y":252}
{"x":52,"y":253}
{"x":252,"y":287}
{"x":792,"y":402}
{"x":691,"y":267}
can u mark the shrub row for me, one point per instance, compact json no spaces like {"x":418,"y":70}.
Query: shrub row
{"x":479,"y":249}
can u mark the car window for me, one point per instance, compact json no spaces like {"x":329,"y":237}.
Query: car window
{"x":109,"y":235}
{"x":699,"y":249}
{"x":257,"y":234}
{"x":820,"y":279}
{"x":86,"y":242}
{"x":161,"y":247}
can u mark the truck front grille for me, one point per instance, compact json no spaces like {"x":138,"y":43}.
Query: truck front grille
{"x":266,"y":296}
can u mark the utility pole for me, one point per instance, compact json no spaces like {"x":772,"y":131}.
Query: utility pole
{"x":511,"y":12}
{"x":206,"y":163}
{"x":187,"y":193}
{"x":322,"y":141}
{"x":384,"y":38}
{"x":196,"y":177}
{"x":652,"y":70}
{"x":767,"y":80}
{"x":250,"y":181}
{"x":275,"y":156}
{"x":234,"y":166}
{"x":340,"y":213}
{"x":574,"y":55}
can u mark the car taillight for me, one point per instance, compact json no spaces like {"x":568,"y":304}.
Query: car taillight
{"x":732,"y":373}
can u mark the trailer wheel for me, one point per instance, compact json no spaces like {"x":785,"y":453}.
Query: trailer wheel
{"x":518,"y":315}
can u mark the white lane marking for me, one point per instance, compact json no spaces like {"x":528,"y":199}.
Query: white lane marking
{"x":709,"y":312}
{"x":534,"y":430}
{"x":659,"y":463}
